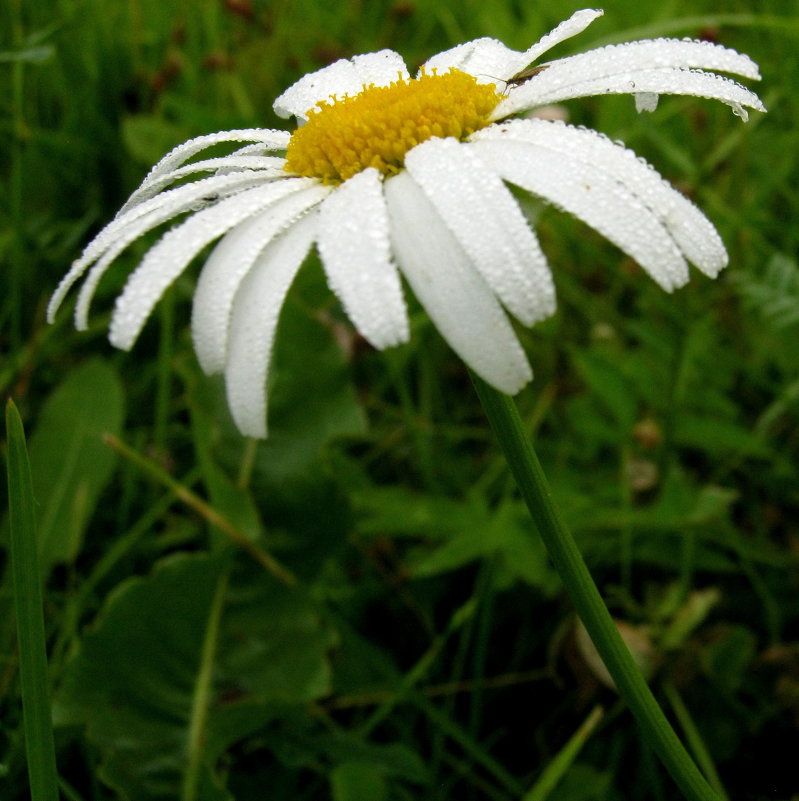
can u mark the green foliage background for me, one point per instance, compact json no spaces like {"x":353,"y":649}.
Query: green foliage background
{"x":425,"y":650}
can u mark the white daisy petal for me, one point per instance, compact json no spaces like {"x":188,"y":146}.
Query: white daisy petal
{"x":380,"y":69}
{"x":486,"y":59}
{"x":457,"y":299}
{"x":271,"y":139}
{"x":355,"y":249}
{"x":575,"y":24}
{"x":229,"y":262}
{"x":593,"y":196}
{"x":480,"y":211}
{"x":253,"y":323}
{"x":489,"y":58}
{"x":166,"y":260}
{"x":660,"y":66}
{"x":125,"y":228}
{"x":342,"y":77}
{"x":693,"y":233}
{"x":660,"y":81}
{"x":658,"y":54}
{"x":268,"y":166}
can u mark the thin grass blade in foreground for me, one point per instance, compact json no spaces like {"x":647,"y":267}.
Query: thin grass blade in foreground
{"x":39,"y":744}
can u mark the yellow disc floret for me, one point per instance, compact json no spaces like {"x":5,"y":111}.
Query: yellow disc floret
{"x":378,"y":126}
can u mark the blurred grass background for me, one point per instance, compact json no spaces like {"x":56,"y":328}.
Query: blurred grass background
{"x":425,"y":650}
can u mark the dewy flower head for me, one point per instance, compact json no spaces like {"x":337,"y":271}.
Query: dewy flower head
{"x":389,"y":174}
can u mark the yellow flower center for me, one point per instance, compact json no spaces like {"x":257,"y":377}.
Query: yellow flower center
{"x":378,"y":126}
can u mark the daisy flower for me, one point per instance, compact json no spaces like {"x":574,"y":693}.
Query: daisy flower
{"x":389,"y":176}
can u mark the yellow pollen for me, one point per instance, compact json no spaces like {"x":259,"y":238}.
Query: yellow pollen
{"x":378,"y":126}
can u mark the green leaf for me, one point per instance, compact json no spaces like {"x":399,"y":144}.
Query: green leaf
{"x":71,"y":463}
{"x":717,"y":437}
{"x":583,"y":783}
{"x":507,"y":534}
{"x":401,"y":512}
{"x":299,"y":742}
{"x":609,"y":385}
{"x":728,"y":658}
{"x":774,"y":291}
{"x":357,"y":781}
{"x":137,"y":683}
{"x":234,"y":503}
{"x":147,"y":136}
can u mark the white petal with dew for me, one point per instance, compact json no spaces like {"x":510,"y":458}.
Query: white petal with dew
{"x":125,"y":238}
{"x":594,"y":197}
{"x":575,"y":24}
{"x":270,"y":166}
{"x":271,"y":139}
{"x":253,"y":323}
{"x":459,"y":302}
{"x":229,"y":262}
{"x":257,"y":149}
{"x":657,"y":54}
{"x":481,"y":212}
{"x":166,"y":260}
{"x":381,"y":68}
{"x":356,"y":255}
{"x":127,"y":227}
{"x":487,"y":58}
{"x":342,"y":77}
{"x":693,"y":233}
{"x":555,"y":84}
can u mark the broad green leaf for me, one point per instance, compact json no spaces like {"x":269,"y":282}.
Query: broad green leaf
{"x":137,"y":682}
{"x":727,"y":658}
{"x":717,"y":437}
{"x":147,"y":136}
{"x":233,"y":502}
{"x":507,"y":534}
{"x":70,"y":462}
{"x":357,"y":781}
{"x":609,"y":385}
{"x":299,"y":742}
{"x":401,"y":512}
{"x":584,"y":783}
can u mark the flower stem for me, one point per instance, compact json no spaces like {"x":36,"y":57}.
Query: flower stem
{"x":523,"y":462}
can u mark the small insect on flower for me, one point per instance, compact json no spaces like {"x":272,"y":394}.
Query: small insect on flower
{"x":391,"y":176}
{"x":525,"y":75}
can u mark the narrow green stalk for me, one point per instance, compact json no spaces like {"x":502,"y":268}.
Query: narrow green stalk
{"x":462,"y":614}
{"x":34,"y":679}
{"x":555,"y":770}
{"x":202,"y":696}
{"x":193,"y":501}
{"x":694,"y":738}
{"x":523,"y":462}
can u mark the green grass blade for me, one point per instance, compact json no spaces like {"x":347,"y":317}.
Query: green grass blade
{"x":39,"y":744}
{"x":555,"y":770}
